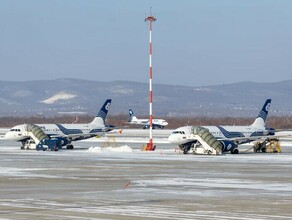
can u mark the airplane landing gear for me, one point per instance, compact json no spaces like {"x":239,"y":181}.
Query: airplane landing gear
{"x":185,"y":148}
{"x":235,"y":151}
{"x":70,"y":147}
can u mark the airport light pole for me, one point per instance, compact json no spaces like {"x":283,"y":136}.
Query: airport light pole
{"x":151,"y":19}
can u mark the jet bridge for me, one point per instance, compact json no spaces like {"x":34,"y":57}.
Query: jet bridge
{"x":40,"y":141}
{"x":207,"y":143}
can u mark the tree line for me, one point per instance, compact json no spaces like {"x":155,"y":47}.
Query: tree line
{"x":278,"y":122}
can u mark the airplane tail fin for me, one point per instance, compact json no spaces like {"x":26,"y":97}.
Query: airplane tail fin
{"x":102,"y":114}
{"x":132,"y":116}
{"x":260,"y":121}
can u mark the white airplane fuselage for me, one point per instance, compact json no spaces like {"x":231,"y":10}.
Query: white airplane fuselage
{"x":156,"y":122}
{"x":65,"y":133}
{"x":160,"y":123}
{"x":184,"y":135}
{"x":17,"y":133}
{"x":232,"y":136}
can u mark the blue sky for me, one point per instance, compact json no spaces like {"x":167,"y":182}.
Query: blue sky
{"x":195,"y":42}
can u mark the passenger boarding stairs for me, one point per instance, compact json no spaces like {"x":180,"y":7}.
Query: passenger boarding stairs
{"x":41,"y":141}
{"x":206,"y":144}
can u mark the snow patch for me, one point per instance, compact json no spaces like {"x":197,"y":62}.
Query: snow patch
{"x":202,"y":89}
{"x":58,"y":97}
{"x":121,"y":90}
{"x":124,"y":148}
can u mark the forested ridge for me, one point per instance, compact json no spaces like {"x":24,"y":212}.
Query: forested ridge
{"x":279,"y":122}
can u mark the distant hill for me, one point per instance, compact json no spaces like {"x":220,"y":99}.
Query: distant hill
{"x":51,"y":97}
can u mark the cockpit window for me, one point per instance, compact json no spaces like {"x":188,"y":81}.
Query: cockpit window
{"x":178,"y":132}
{"x":14,"y":129}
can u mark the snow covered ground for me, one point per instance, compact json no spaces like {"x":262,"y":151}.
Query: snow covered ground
{"x":119,"y":181}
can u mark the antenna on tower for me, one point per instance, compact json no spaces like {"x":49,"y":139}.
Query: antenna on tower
{"x":151,"y":19}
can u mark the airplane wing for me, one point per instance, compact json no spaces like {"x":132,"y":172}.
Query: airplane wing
{"x":83,"y":136}
{"x":78,"y":137}
{"x":244,"y":140}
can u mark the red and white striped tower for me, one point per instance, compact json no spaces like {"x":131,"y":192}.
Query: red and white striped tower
{"x":150,"y":19}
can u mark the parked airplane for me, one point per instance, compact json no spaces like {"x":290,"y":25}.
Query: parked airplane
{"x":229,"y":136}
{"x":160,"y":123}
{"x":67,"y":132}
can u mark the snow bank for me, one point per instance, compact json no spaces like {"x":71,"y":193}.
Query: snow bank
{"x":124,"y":148}
{"x":62,"y":95}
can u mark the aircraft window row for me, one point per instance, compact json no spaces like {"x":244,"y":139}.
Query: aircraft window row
{"x":14,"y":129}
{"x":52,"y":129}
{"x":178,"y":132}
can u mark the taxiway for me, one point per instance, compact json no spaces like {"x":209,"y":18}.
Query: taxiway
{"x":91,"y":183}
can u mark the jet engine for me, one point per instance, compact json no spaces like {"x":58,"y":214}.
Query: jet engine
{"x":230,"y":146}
